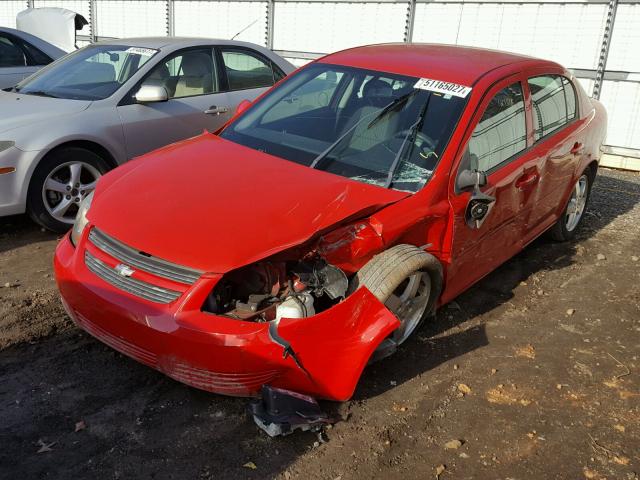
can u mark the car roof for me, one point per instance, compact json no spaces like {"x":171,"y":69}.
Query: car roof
{"x":451,"y":63}
{"x":162,"y":42}
{"x":49,"y":49}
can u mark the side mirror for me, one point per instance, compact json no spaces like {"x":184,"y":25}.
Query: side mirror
{"x":470,"y":179}
{"x":242,"y":106}
{"x":151,"y":94}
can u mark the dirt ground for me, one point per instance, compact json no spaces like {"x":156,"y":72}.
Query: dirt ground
{"x":535,"y":371}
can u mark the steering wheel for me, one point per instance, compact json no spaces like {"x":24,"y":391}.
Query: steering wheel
{"x":423,"y":141}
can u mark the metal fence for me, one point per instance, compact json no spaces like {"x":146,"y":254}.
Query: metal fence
{"x":598,"y":39}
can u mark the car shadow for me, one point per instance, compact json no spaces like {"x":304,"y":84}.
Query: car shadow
{"x":17,"y":231}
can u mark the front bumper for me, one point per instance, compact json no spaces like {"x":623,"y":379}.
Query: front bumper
{"x":14,"y":185}
{"x":220,"y":354}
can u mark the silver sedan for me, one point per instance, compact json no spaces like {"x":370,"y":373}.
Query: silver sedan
{"x":74,"y":120}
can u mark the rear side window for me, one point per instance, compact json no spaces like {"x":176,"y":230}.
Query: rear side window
{"x":245,"y":70}
{"x":554,"y":103}
{"x":502,"y":131}
{"x":11,"y":55}
{"x":37,"y":57}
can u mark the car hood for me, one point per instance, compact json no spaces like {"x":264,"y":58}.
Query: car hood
{"x":214,"y":205}
{"x":19,"y":110}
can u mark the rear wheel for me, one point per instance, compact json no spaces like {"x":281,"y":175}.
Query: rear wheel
{"x":567,"y":225}
{"x":408,"y":281}
{"x":60,"y":182}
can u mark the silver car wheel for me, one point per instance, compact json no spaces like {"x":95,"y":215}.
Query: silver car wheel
{"x":409,"y":302}
{"x":577,"y":203}
{"x":66,"y":186}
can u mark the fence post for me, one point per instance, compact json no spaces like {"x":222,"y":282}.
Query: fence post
{"x":604,"y":48}
{"x":269,"y":32}
{"x":92,"y":21}
{"x":171,"y":25}
{"x":410,"y":20}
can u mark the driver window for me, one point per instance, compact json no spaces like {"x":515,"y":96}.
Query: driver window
{"x":501,"y":132}
{"x":186,"y":74}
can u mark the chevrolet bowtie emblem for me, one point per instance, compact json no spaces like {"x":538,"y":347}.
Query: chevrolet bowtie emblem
{"x":124,"y":270}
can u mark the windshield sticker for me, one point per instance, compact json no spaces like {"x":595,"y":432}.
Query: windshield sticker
{"x":145,"y":52}
{"x":442,"y":87}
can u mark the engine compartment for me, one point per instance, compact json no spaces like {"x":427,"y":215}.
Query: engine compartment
{"x":270,"y":290}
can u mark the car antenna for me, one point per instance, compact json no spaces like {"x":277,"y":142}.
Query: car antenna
{"x":245,"y":28}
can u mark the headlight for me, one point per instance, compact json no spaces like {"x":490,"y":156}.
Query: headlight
{"x":81,"y":219}
{"x":6,"y":145}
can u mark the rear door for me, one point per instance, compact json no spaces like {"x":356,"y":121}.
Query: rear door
{"x":497,"y":146}
{"x":558,"y":145}
{"x":197,"y":102}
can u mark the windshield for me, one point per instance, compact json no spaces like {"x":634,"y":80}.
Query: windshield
{"x":374,"y":127}
{"x":92,"y":73}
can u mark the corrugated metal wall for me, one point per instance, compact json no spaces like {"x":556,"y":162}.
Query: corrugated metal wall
{"x":569,"y":32}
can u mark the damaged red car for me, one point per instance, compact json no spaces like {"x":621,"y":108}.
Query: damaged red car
{"x":330,"y":217}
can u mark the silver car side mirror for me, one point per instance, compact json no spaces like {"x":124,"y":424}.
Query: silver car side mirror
{"x":151,"y":94}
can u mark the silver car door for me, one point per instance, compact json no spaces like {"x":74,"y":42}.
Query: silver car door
{"x":195,"y":102}
{"x":247,"y":73}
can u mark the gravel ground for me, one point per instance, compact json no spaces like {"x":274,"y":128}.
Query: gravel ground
{"x":533,"y":373}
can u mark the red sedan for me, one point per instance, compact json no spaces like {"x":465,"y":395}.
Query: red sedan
{"x":331,"y":216}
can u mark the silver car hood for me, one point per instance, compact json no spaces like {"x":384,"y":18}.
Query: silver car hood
{"x":19,"y":110}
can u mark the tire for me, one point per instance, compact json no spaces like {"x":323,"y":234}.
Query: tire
{"x":52,"y":198}
{"x":567,"y":225}
{"x":393,"y":275}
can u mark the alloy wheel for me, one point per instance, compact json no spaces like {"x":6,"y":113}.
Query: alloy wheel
{"x":66,"y":186}
{"x":577,"y":203}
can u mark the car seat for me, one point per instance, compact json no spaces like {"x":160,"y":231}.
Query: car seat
{"x":197,"y":75}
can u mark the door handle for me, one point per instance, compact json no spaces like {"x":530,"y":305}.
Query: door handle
{"x":213,"y":110}
{"x":527,"y":180}
{"x":577,"y":148}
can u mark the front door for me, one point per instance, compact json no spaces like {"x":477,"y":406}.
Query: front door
{"x":498,"y":147}
{"x":196,"y":103}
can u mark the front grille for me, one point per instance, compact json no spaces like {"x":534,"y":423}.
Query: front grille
{"x":134,"y":258}
{"x":135,"y":287}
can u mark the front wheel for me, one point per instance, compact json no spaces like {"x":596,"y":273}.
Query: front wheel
{"x":567,"y":225}
{"x":408,"y":281}
{"x":60,"y":182}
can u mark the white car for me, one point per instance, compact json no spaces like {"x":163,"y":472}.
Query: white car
{"x":104,"y":104}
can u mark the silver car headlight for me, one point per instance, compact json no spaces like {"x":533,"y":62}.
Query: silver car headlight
{"x":81,"y":219}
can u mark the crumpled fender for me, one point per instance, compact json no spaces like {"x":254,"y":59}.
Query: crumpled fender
{"x":333,"y":347}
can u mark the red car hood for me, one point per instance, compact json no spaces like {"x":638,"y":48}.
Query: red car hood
{"x":214,"y":205}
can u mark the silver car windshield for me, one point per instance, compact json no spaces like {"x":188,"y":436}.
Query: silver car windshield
{"x":373,"y":127}
{"x":92,"y":73}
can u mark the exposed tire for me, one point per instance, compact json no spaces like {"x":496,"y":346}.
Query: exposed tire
{"x":59,"y":183}
{"x":393,"y":277}
{"x":567,"y":225}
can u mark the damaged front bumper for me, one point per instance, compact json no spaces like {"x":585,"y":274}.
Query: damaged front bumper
{"x":322,"y":355}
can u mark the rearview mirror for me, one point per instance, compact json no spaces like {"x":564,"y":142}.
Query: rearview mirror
{"x":151,"y":94}
{"x":470,"y":179}
{"x":242,"y":106}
